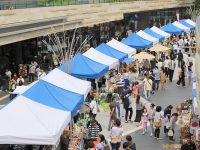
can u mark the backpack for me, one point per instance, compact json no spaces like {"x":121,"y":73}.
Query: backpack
{"x":20,"y":83}
{"x":126,"y":102}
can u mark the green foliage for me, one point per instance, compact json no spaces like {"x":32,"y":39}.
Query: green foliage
{"x":196,"y":4}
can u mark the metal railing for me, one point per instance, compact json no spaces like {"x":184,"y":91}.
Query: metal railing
{"x":19,"y":4}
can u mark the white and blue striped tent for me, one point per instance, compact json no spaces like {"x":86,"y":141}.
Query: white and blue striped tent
{"x":40,"y":114}
{"x":194,"y":96}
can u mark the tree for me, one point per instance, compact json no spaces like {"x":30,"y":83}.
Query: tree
{"x":196,"y":4}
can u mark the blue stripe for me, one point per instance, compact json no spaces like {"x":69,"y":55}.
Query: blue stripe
{"x":53,"y":96}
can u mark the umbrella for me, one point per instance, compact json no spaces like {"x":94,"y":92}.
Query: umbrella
{"x":159,"y":48}
{"x":143,"y":55}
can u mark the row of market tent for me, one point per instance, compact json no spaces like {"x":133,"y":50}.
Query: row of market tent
{"x":39,"y":114}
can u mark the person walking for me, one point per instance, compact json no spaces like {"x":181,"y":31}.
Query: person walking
{"x":172,"y":66}
{"x":128,"y":106}
{"x":151,"y":118}
{"x":166,"y":66}
{"x":147,"y":87}
{"x":157,"y":122}
{"x":117,"y":98}
{"x":31,"y":72}
{"x":156,"y":72}
{"x":116,"y":135}
{"x":113,"y":114}
{"x":162,"y":78}
{"x":168,"y":110}
{"x":139,"y":109}
{"x":182,"y":75}
{"x":180,"y":58}
{"x":144,"y":120}
{"x":189,"y":75}
{"x":93,"y":107}
{"x":172,"y":125}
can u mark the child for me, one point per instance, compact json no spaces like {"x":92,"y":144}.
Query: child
{"x":189,"y":74}
{"x":135,"y":89}
{"x":144,"y":120}
{"x":166,"y":124}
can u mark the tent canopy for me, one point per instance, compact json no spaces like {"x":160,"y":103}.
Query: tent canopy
{"x":107,"y":50}
{"x":101,"y":58}
{"x":24,"y":121}
{"x":189,"y":21}
{"x":136,"y":41}
{"x":83,"y":67}
{"x":68,"y":82}
{"x":121,"y":47}
{"x":170,"y":28}
{"x":54,"y":97}
{"x":181,"y":26}
{"x":159,"y":48}
{"x":154,"y":34}
{"x":187,"y":24}
{"x":40,"y":114}
{"x":148,"y":37}
{"x":160,"y":32}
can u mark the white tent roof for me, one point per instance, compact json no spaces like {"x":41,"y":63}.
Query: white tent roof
{"x":148,"y":37}
{"x":24,"y":121}
{"x":189,"y":21}
{"x":121,"y":47}
{"x":159,"y":31}
{"x":101,"y":58}
{"x":181,"y":26}
{"x":23,"y":88}
{"x":68,"y":82}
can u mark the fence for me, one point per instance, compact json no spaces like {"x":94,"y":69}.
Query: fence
{"x":18,"y":4}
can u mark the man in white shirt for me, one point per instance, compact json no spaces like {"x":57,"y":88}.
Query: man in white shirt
{"x":93,"y":106}
{"x":31,"y":72}
{"x":166,"y":66}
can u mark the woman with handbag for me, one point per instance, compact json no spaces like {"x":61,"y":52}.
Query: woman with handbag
{"x":173,"y":120}
{"x":116,"y":135}
{"x":157,"y":122}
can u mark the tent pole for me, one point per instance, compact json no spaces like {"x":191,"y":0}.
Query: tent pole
{"x":71,"y":122}
{"x":96,"y":81}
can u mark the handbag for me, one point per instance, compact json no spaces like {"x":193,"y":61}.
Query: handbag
{"x":106,"y":146}
{"x":114,"y":139}
{"x":157,"y":124}
{"x":170,"y":132}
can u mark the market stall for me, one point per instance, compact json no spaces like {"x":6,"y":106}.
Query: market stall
{"x":189,"y":120}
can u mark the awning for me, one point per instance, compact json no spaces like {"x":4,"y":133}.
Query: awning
{"x":154,"y":34}
{"x":187,"y":24}
{"x":83,"y":67}
{"x":24,"y":121}
{"x":172,"y":29}
{"x":39,"y":115}
{"x":68,"y":82}
{"x":107,"y":50}
{"x":160,"y":32}
{"x":181,"y":26}
{"x":194,"y":95}
{"x":121,"y":47}
{"x":136,"y":41}
{"x":189,"y":21}
{"x":148,"y":37}
{"x":101,"y":58}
